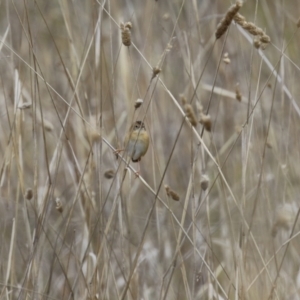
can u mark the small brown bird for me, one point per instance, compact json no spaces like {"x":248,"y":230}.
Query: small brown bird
{"x":136,"y":142}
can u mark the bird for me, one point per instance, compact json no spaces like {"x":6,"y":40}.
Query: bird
{"x":136,"y":142}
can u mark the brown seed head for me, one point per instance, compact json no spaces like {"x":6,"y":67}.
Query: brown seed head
{"x":48,"y":125}
{"x":205,"y":120}
{"x":238,"y":18}
{"x":190,"y":114}
{"x":172,"y":193}
{"x":238,"y":95}
{"x":58,"y":205}
{"x":204,"y":182}
{"x":29,"y":194}
{"x":183,"y":99}
{"x":252,"y":28}
{"x":93,"y":135}
{"x":24,"y":105}
{"x":138,"y":103}
{"x":257,"y":43}
{"x":155,"y":72}
{"x":109,"y":174}
{"x":226,"y":21}
{"x":265,"y":39}
{"x":199,"y":108}
{"x":126,"y":33}
{"x":226,"y":58}
{"x":128,"y":25}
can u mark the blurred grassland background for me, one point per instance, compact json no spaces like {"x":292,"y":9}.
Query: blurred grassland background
{"x":73,"y":227}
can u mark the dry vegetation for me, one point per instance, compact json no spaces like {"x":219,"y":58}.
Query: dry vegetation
{"x":214,"y":214}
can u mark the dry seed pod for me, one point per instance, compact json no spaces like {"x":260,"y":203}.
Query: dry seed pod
{"x":24,"y":105}
{"x":204,"y":182}
{"x":93,"y":135}
{"x":265,"y":39}
{"x":109,"y":174}
{"x":238,"y":18}
{"x":155,"y":72}
{"x":226,"y":58}
{"x":199,"y":108}
{"x":183,"y":99}
{"x":166,"y":17}
{"x":226,"y":21}
{"x":262,"y":38}
{"x":128,"y":25}
{"x":252,"y":28}
{"x":48,"y":125}
{"x":190,"y":114}
{"x":263,"y":46}
{"x":257,"y":43}
{"x":28,"y":194}
{"x":205,"y":120}
{"x":238,"y":95}
{"x":58,"y":205}
{"x":126,"y":33}
{"x":172,"y":193}
{"x":138,"y":103}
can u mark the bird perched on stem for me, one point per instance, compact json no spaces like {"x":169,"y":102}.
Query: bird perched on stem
{"x":136,"y":142}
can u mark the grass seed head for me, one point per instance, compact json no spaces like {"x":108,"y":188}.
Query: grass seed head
{"x":204,"y":182}
{"x":238,"y":18}
{"x":257,"y":43}
{"x":93,"y":135}
{"x":48,"y":126}
{"x":126,"y":33}
{"x":58,"y":205}
{"x":190,"y":114}
{"x":265,"y":39}
{"x":155,"y":72}
{"x":205,"y":120}
{"x":109,"y":174}
{"x":172,"y":193}
{"x":226,"y":58}
{"x":28,"y":194}
{"x":226,"y":21}
{"x":238,"y":95}
{"x":138,"y":103}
